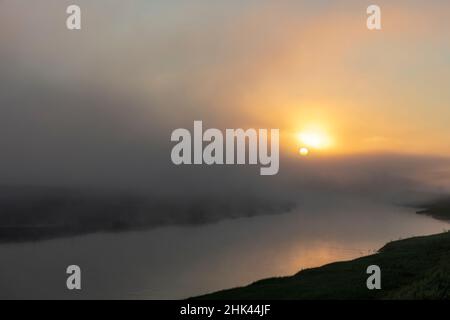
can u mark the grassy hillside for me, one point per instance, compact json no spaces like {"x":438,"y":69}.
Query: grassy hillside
{"x":415,"y":268}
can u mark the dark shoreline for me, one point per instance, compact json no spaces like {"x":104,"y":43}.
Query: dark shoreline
{"x":414,"y":268}
{"x":410,"y":275}
{"x":438,"y":209}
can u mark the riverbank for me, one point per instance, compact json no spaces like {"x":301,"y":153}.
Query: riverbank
{"x":414,"y":268}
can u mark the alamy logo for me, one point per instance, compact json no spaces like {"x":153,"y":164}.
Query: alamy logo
{"x":374,"y":19}
{"x":74,"y":280}
{"x":231,"y":151}
{"x":73,"y":21}
{"x":374,"y":280}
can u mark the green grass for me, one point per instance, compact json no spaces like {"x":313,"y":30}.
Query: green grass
{"x":415,"y":268}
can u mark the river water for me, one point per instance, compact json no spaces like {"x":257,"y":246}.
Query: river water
{"x":182,"y":261}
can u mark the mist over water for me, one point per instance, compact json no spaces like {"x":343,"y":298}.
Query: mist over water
{"x":178,"y":262}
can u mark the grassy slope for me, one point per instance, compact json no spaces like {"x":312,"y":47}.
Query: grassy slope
{"x":415,"y":268}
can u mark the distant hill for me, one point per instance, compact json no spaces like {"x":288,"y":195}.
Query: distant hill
{"x":415,"y":268}
{"x":29,"y":213}
{"x":438,"y":209}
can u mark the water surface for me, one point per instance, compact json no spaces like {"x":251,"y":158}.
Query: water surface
{"x":179,"y":262}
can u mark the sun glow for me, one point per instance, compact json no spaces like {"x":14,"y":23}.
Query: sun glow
{"x":313,"y":139}
{"x":304,"y":151}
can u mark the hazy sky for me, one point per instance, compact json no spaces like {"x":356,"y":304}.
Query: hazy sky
{"x":96,"y":107}
{"x":284,"y":64}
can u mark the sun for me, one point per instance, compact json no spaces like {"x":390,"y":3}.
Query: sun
{"x":312,"y":139}
{"x":304,"y":151}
